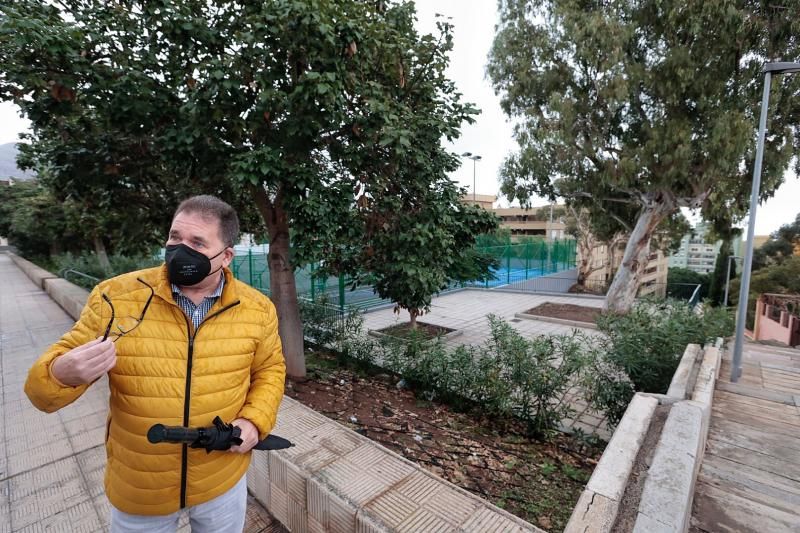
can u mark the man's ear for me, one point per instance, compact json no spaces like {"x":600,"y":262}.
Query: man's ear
{"x":227,"y":257}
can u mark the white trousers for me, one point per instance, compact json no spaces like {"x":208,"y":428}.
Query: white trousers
{"x":223,"y":514}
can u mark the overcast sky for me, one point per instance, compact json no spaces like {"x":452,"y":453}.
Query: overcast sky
{"x":490,"y":136}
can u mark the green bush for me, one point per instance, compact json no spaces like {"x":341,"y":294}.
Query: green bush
{"x":648,"y":342}
{"x":508,"y":376}
{"x":87,"y":263}
{"x":607,"y":388}
{"x":325,"y":324}
{"x":538,"y":372}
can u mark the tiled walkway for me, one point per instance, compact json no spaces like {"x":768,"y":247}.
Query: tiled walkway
{"x":51,"y":465}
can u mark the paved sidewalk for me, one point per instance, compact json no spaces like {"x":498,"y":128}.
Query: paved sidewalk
{"x":51,"y":465}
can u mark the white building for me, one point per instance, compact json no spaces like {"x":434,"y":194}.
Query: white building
{"x":695,"y":253}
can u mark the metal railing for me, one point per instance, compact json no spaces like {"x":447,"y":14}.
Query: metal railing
{"x":92,"y":281}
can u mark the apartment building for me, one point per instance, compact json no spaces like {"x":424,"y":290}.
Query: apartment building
{"x":695,"y":253}
{"x":607,"y":260}
{"x":534,"y":221}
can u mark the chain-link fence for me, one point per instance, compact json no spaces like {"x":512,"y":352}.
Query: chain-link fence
{"x":518,"y":262}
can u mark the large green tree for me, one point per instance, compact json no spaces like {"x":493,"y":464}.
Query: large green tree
{"x":325,"y":115}
{"x":653,"y":104}
{"x":782,"y":244}
{"x":779,"y":278}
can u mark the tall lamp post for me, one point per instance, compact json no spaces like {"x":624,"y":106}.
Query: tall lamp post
{"x":741,"y":315}
{"x":475,"y":158}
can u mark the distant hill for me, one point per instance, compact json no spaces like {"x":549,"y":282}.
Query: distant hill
{"x":8,"y":163}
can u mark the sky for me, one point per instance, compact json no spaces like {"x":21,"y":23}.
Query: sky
{"x":491,"y":134}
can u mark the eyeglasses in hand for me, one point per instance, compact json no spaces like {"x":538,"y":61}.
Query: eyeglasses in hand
{"x":126,"y":324}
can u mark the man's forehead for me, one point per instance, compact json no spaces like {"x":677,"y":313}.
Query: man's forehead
{"x":194,"y":225}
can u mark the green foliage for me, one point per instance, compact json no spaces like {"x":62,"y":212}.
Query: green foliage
{"x":327,"y":116}
{"x":539,"y":371}
{"x":508,"y":376}
{"x":681,"y":283}
{"x":607,"y":387}
{"x":32,"y":220}
{"x":635,"y":109}
{"x":784,"y":243}
{"x":326,"y":324}
{"x":648,"y":342}
{"x":422,"y":250}
{"x":780,"y":278}
{"x":88,"y":263}
{"x":718,"y":278}
{"x":100,"y":102}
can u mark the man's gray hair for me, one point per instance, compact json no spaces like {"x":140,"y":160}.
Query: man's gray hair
{"x":208,"y":206}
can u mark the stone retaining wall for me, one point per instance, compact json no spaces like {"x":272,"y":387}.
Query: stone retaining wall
{"x":666,"y":498}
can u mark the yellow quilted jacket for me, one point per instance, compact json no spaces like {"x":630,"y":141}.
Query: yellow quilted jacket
{"x":168,"y":373}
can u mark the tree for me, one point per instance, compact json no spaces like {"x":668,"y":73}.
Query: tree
{"x":682,"y":282}
{"x":780,"y":278}
{"x":98,"y":120}
{"x":426,"y":244}
{"x":32,"y":220}
{"x":579,"y":226}
{"x":323,"y":115}
{"x":783,"y":243}
{"x":651,"y":104}
{"x":716,"y":291}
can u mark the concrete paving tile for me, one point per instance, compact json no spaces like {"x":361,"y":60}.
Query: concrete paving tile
{"x":80,"y":518}
{"x":24,"y":460}
{"x":5,"y":508}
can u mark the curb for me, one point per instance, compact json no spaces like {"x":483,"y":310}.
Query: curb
{"x":37,"y":274}
{"x":68,"y":296}
{"x":599,"y":503}
{"x":336,"y":480}
{"x":562,"y":321}
{"x":666,"y":499}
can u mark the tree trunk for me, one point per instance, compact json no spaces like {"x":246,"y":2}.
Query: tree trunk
{"x":586,"y":243}
{"x":623,"y":289}
{"x":102,"y":256}
{"x":413,"y":321}
{"x":281,"y":282}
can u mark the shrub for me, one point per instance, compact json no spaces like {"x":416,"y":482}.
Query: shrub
{"x":607,"y":388}
{"x":327,"y":325}
{"x":648,"y":342}
{"x":538,"y":372}
{"x":87,"y":263}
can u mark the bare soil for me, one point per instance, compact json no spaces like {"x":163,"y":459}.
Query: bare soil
{"x":629,"y":506}
{"x":428,"y":331}
{"x":578,"y":313}
{"x":538,"y":481}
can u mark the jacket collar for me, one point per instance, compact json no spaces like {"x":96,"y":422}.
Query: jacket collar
{"x":163,"y":287}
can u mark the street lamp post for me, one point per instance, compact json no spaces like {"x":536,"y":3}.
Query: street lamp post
{"x":741,"y":315}
{"x":475,"y":158}
{"x":728,"y":276}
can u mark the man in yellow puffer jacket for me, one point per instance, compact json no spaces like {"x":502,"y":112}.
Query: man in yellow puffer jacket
{"x":186,"y":343}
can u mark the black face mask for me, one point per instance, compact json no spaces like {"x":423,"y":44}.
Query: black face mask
{"x":186,"y":266}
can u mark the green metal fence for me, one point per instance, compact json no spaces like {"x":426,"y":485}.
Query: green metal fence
{"x":518,"y":262}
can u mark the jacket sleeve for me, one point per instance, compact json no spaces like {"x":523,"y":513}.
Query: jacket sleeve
{"x":45,"y":392}
{"x":267,"y":376}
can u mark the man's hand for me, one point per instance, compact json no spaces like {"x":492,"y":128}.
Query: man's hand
{"x":84,"y":364}
{"x":249,"y":435}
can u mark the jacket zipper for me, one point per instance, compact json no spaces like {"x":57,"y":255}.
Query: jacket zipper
{"x":187,"y":393}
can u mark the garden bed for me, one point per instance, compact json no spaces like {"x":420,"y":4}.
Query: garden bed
{"x":424,"y":330}
{"x":571,"y":312}
{"x":538,"y":481}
